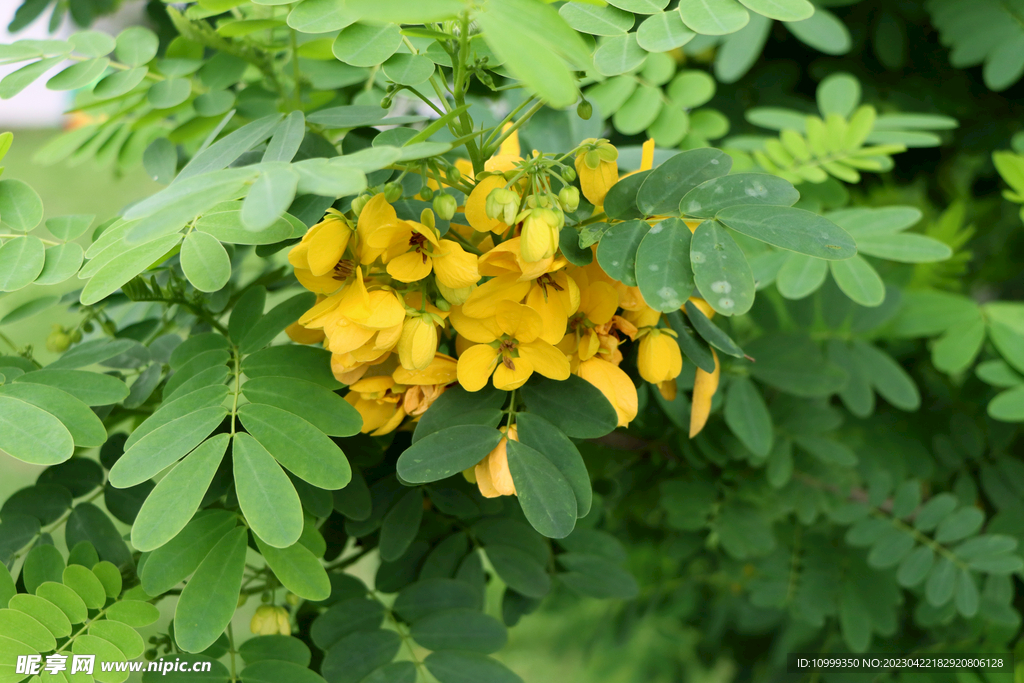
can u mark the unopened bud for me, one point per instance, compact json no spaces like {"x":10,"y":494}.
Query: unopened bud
{"x":584,"y":110}
{"x":292,"y":599}
{"x":358,"y":203}
{"x":569,"y":174}
{"x":445,"y":206}
{"x":386,"y":103}
{"x":454,"y":174}
{"x":426,"y":194}
{"x":58,"y":341}
{"x":443,"y":305}
{"x":393,"y":192}
{"x":502,"y":205}
{"x":539,"y":239}
{"x":569,"y":198}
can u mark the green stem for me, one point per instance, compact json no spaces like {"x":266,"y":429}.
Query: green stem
{"x":43,"y":240}
{"x":296,"y":71}
{"x":460,"y":93}
{"x":231,"y":650}
{"x":7,"y":340}
{"x":492,"y":147}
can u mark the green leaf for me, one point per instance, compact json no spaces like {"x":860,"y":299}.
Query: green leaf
{"x":460,"y":629}
{"x":823,"y":31}
{"x":324,"y":409}
{"x":224,"y":152}
{"x":298,"y":445}
{"x":164,"y":446}
{"x":887,"y":376}
{"x":298,"y":570}
{"x":345,"y":617}
{"x":21,"y":208}
{"x":33,"y":435}
{"x":641,"y":6}
{"x":267,"y":498}
{"x":181,"y":406}
{"x":23,"y":628}
{"x":406,"y":11}
{"x":91,"y":388}
{"x":639,"y":111}
{"x":456,"y":406}
{"x":710,"y":197}
{"x":617,"y":250}
{"x":247,"y":310}
{"x":88,"y":523}
{"x":21,"y":262}
{"x":794,"y":229}
{"x":356,"y":655}
{"x":43,"y":563}
{"x":446,"y":452}
{"x":321,"y":16}
{"x":915,"y":567}
{"x":531,"y":40}
{"x":135,"y":613}
{"x":941,"y":583}
{"x":119,"y":83}
{"x":269,"y":197}
{"x":619,"y":54}
{"x":78,"y":75}
{"x":226,"y":225}
{"x":16,"y":81}
{"x":747,"y":416}
{"x":1008,"y":406}
{"x":303,"y":362}
{"x":136,"y":45}
{"x":959,"y":525}
{"x":65,"y":598}
{"x":205,"y":262}
{"x":275,"y":321}
{"x":125,"y":266}
{"x":838,"y":94}
{"x":711,"y":333}
{"x":545,"y":495}
{"x":46,"y":502}
{"x":281,"y":648}
{"x":209,"y":600}
{"x":663,"y":32}
{"x":597,"y":577}
{"x":421,"y":599}
{"x":906,"y":248}
{"x":61,"y":262}
{"x":68,"y":227}
{"x":86,"y":585}
{"x":177,"y":496}
{"x":720,"y":270}
{"x":794,"y":364}
{"x":520,"y":570}
{"x":85,"y":427}
{"x":574,"y":406}
{"x":468,"y":667}
{"x":43,"y":611}
{"x":663,"y":270}
{"x":801,"y":275}
{"x":663,"y":190}
{"x":409,"y":70}
{"x":175,"y":560}
{"x":859,"y":280}
{"x":400,"y":526}
{"x":92,"y":43}
{"x":781,"y":10}
{"x":596,"y":20}
{"x":169,"y":93}
{"x":542,"y":436}
{"x":367,"y":44}
{"x":269,"y":671}
{"x":714,"y":17}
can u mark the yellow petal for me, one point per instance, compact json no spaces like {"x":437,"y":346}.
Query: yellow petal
{"x":387,"y":338}
{"x":545,"y":359}
{"x":386,"y":235}
{"x":327,"y":245}
{"x":518,"y":321}
{"x":482,"y":474}
{"x":303,"y":335}
{"x":590,"y":344}
{"x":595,"y":182}
{"x":314,"y":316}
{"x":614,"y":384}
{"x":392,"y":423}
{"x":298,"y":256}
{"x":704,"y":387}
{"x":345,"y":336}
{"x":476,"y":203}
{"x":507,"y":379}
{"x":410,"y":267}
{"x":418,"y":344}
{"x":479,"y":330}
{"x":456,"y":268}
{"x":647,"y":156}
{"x":442,"y":370}
{"x":475,"y":366}
{"x":569,"y":293}
{"x":376,"y":214}
{"x":599,"y":301}
{"x":552,"y":313}
{"x":483,"y":302}
{"x":510,"y":145}
{"x":659,"y":358}
{"x":501,"y":476}
{"x":355,"y":301}
{"x":323,"y":284}
{"x":502,"y":259}
{"x":386,"y":310}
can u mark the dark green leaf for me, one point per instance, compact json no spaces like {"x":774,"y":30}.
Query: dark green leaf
{"x":468,"y":667}
{"x":663,"y":190}
{"x":88,"y":523}
{"x":460,"y":629}
{"x":720,"y":270}
{"x":178,"y":558}
{"x":356,"y":655}
{"x":663,"y":269}
{"x":547,"y":499}
{"x":617,"y":250}
{"x":545,"y":438}
{"x":267,"y":498}
{"x":209,"y":600}
{"x":447,"y":452}
{"x":575,"y":406}
{"x":324,"y":409}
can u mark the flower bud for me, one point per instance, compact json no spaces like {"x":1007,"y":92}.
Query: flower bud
{"x":456,"y":297}
{"x":58,"y":341}
{"x":292,"y":599}
{"x":502,"y":205}
{"x":569,"y":198}
{"x":443,"y":305}
{"x":426,"y":194}
{"x":284,"y":624}
{"x":445,"y":206}
{"x":597,"y":168}
{"x":540,"y":234}
{"x":359,"y":202}
{"x":266,"y":621}
{"x":568,"y":174}
{"x":659,"y":358}
{"x":393,"y":192}
{"x":417,"y":344}
{"x":454,"y":174}
{"x":584,"y":110}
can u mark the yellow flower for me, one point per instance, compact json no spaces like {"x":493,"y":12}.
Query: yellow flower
{"x":492,"y":474}
{"x":270,"y":620}
{"x":323,"y":245}
{"x":425,"y":386}
{"x":598,"y":301}
{"x":555,"y":296}
{"x":704,"y":387}
{"x":539,"y":239}
{"x":658,"y":357}
{"x":615,"y":384}
{"x":302,"y":335}
{"x":412,"y":250}
{"x":418,"y":343}
{"x":350,"y":326}
{"x":375,"y":215}
{"x":597,"y":169}
{"x":476,"y":205}
{"x":511,"y":355}
{"x":379,"y":401}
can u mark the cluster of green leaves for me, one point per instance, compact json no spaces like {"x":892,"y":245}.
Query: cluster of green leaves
{"x":987,"y":31}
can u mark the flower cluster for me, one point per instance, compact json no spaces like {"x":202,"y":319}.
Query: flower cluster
{"x":407,"y":310}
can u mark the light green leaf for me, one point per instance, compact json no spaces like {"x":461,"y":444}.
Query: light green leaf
{"x":31,"y":434}
{"x":596,"y":20}
{"x":714,"y":17}
{"x":747,"y":416}
{"x":299,"y":446}
{"x":23,"y":628}
{"x":91,"y":388}
{"x":720,"y":270}
{"x":125,"y":266}
{"x":216,"y":157}
{"x":617,"y":250}
{"x":68,"y":228}
{"x":794,"y":229}
{"x":85,"y":427}
{"x":62,"y":261}
{"x":321,"y":16}
{"x":29,"y":309}
{"x":269,"y":197}
{"x":79,"y":75}
{"x":209,"y":600}
{"x":21,"y":262}
{"x":226,"y":225}
{"x":43,"y":611}
{"x":267,"y":498}
{"x":663,"y":190}
{"x":1008,"y":406}
{"x":663,"y":32}
{"x":171,"y":505}
{"x":859,"y":280}
{"x":16,"y":81}
{"x":710,"y":197}
{"x":135,"y":613}
{"x":298,"y":570}
{"x":86,"y":585}
{"x":205,"y":262}
{"x":92,"y":43}
{"x":823,"y":31}
{"x":781,"y":10}
{"x":21,"y":208}
{"x":164,"y":446}
{"x":178,"y":558}
{"x":324,"y":409}
{"x":367,"y":44}
{"x":409,"y":70}
{"x":119,"y":83}
{"x":639,"y":111}
{"x":136,"y":45}
{"x":838,"y":94}
{"x":618,"y":55}
{"x":170,"y":92}
{"x":905,"y":248}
